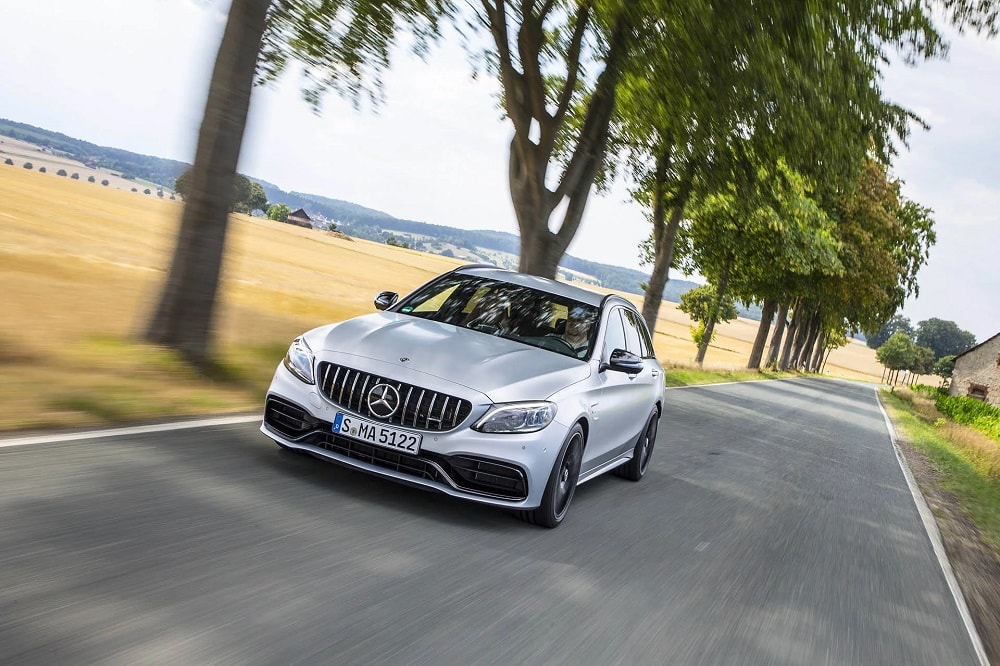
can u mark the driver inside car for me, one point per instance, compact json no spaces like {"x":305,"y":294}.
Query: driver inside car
{"x":577,"y":333}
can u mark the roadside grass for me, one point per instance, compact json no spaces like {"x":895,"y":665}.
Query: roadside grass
{"x":102,"y":380}
{"x":680,"y":375}
{"x":967,"y":461}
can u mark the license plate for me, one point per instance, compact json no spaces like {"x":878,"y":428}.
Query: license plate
{"x":377,"y":434}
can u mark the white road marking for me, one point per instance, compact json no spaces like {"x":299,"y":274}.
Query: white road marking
{"x":935,"y":538}
{"x":129,"y":430}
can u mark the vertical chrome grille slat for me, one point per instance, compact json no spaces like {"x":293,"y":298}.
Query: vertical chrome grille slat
{"x":361,"y":396}
{"x":416,"y":412}
{"x":326,"y":375}
{"x":402,"y":413}
{"x":343,"y":385}
{"x":420,"y":407}
{"x":354,"y":385}
{"x":444,"y":411}
{"x":430,"y":411}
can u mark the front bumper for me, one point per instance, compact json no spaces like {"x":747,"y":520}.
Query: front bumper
{"x":508,"y":471}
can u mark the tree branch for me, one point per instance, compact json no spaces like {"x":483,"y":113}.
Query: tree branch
{"x":572,"y":63}
{"x":530,"y":40}
{"x":593,"y":138}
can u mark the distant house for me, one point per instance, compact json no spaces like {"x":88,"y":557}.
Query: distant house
{"x":977,"y":372}
{"x":300,"y":218}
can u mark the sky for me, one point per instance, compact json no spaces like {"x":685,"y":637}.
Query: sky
{"x":133,"y":74}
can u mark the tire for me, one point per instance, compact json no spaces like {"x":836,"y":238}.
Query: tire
{"x":561,"y":486}
{"x":635,"y":468}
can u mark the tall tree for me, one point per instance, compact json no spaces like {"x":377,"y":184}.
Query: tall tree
{"x":896,"y":323}
{"x":705,"y":305}
{"x":184,"y":316}
{"x":343,"y":45}
{"x":943,"y":337}
{"x":782,"y":82}
{"x":550,"y":58}
{"x":898,"y":353}
{"x":750,"y":242}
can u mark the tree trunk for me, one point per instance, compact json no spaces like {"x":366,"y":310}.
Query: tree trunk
{"x":817,"y":358}
{"x":720,"y":293}
{"x":664,"y":239}
{"x":766,"y":315}
{"x":801,"y":332}
{"x":808,"y":342}
{"x":184,"y":318}
{"x":793,"y":330}
{"x":779,"y":331}
{"x":534,"y":203}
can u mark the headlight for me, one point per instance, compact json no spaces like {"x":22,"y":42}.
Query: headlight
{"x":299,"y":361}
{"x":517,"y":417}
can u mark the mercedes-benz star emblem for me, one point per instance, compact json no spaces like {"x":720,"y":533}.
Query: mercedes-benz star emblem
{"x":383,"y":401}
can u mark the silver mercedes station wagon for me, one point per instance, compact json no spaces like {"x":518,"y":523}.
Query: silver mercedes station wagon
{"x":484,"y":384}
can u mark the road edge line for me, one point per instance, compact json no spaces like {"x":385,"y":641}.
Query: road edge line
{"x":127,"y":430}
{"x":934,"y":535}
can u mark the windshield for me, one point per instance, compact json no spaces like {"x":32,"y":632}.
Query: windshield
{"x":527,"y":315}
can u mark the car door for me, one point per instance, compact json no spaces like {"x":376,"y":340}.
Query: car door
{"x":640,"y":343}
{"x":624,"y":399}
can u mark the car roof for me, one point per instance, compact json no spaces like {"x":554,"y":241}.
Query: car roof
{"x":535,"y":282}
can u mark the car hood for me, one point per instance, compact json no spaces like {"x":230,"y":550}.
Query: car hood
{"x":504,"y":370}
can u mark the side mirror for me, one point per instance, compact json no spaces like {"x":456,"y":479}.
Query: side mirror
{"x":385,"y":299}
{"x":623,"y":361}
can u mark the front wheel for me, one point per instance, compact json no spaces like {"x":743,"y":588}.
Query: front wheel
{"x":562,"y":483}
{"x":635,"y":468}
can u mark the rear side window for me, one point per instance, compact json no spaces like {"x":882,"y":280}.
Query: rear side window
{"x":632,"y":337}
{"x":637,"y":335}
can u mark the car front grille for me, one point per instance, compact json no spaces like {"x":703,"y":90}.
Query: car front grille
{"x":472,"y":474}
{"x":418,"y":408}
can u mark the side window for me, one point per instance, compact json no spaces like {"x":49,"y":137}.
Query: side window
{"x":632,"y":336}
{"x":615,"y":336}
{"x":645,"y":343}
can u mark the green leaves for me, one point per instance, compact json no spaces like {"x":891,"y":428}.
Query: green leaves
{"x":344,"y":45}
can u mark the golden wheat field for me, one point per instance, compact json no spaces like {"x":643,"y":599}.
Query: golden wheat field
{"x":81,"y":266}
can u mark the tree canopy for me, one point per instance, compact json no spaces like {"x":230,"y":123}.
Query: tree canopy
{"x":896,"y":323}
{"x":737,"y":86}
{"x":945,"y":338}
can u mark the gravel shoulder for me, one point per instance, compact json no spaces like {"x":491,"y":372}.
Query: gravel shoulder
{"x":976,"y":563}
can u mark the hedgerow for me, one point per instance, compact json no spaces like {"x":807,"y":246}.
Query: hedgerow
{"x":977,"y":414}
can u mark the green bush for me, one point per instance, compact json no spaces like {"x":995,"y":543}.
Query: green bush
{"x":982,"y":416}
{"x":977,"y":414}
{"x":929,"y":391}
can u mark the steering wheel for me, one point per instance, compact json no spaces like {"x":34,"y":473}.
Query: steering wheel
{"x":560,"y":343}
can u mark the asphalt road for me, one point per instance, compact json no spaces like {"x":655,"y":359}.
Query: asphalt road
{"x":774,"y":527}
